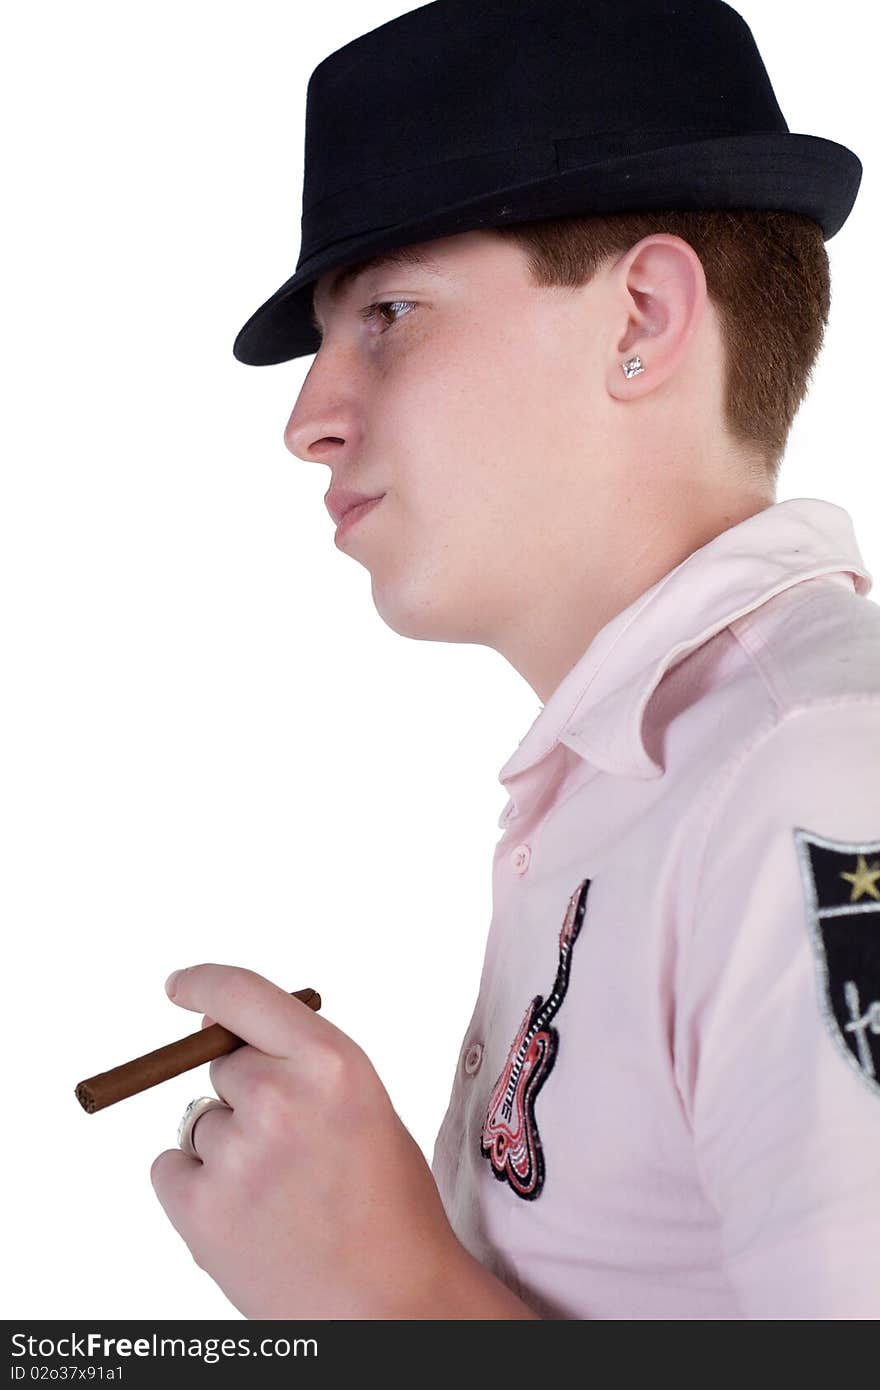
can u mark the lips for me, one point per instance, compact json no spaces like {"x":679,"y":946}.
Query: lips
{"x":353,"y":514}
{"x":340,"y":500}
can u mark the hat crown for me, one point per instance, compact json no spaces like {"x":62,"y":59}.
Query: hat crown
{"x":578,"y":79}
{"x":472,"y":114}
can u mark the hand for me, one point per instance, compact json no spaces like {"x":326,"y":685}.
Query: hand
{"x":311,"y":1200}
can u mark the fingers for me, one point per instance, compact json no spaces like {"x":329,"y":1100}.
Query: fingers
{"x":260,"y":1012}
{"x":171,"y":1174}
{"x":233,"y":1076}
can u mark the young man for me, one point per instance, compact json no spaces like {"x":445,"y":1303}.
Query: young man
{"x":667,"y":1100}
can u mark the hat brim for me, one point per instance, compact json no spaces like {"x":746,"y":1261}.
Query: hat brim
{"x":776,"y":171}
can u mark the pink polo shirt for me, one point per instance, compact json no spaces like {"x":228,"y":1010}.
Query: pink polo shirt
{"x":667,"y":1101}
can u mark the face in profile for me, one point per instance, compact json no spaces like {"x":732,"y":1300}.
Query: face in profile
{"x":460,"y":391}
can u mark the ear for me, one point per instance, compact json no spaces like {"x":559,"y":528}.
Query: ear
{"x":659,"y":288}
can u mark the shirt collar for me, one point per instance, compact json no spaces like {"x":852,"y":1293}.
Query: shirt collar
{"x":597,"y":709}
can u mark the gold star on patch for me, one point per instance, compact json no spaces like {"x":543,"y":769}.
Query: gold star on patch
{"x":864,"y":880}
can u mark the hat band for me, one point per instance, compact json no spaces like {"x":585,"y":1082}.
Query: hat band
{"x":409,"y":194}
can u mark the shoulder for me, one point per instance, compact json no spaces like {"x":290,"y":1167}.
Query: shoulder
{"x":818,"y":641}
{"x":799,"y":740}
{"x":814,"y":646}
{"x":816,"y":762}
{"x":807,"y":776}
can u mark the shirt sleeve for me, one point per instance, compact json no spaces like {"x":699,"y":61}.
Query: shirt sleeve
{"x":777,"y":1027}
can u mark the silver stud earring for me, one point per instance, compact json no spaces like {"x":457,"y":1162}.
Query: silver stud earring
{"x":632,"y":367}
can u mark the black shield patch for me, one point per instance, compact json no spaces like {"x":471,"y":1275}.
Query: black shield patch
{"x":842,"y":887}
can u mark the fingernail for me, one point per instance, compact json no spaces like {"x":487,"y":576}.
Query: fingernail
{"x":171,"y":982}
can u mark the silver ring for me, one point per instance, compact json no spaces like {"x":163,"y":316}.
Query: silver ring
{"x":191,"y":1114}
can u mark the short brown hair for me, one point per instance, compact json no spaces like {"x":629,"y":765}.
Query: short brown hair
{"x":768,"y":276}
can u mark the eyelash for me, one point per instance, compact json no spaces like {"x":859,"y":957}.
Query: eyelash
{"x":372,"y":311}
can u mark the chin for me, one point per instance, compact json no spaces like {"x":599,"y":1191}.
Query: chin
{"x":426,"y":619}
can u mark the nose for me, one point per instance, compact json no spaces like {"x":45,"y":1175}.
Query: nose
{"x":323,"y":422}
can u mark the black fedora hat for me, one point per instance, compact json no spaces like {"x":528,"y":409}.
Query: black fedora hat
{"x":473,"y":113}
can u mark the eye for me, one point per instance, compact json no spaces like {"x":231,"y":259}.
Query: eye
{"x":376,"y":311}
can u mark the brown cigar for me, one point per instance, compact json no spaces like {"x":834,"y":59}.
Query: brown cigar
{"x":142,"y":1072}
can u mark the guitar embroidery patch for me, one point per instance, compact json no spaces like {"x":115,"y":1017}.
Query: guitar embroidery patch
{"x":510,"y":1138}
{"x":842,"y":887}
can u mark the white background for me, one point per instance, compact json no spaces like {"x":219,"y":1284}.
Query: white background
{"x":212,"y":747}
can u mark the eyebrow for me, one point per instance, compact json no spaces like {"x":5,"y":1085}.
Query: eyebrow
{"x":400,"y":256}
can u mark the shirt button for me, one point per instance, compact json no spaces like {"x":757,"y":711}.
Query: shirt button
{"x":520,"y":858}
{"x":472,"y":1058}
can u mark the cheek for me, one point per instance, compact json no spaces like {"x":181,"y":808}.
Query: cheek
{"x":427,"y":526}
{"x":472,"y":420}
{"x":434,"y":530}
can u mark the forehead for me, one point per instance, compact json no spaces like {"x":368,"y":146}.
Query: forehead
{"x":400,"y":256}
